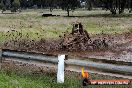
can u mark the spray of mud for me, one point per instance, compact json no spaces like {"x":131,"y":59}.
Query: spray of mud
{"x":76,"y":41}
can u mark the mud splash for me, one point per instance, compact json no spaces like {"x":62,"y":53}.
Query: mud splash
{"x":119,"y":46}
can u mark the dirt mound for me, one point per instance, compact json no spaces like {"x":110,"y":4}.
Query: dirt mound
{"x":77,"y":42}
{"x":32,"y":46}
{"x":79,"y":39}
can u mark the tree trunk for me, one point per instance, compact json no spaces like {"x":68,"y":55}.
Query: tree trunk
{"x":112,"y":7}
{"x":68,"y":12}
{"x":130,"y":7}
{"x":51,"y":9}
{"x":122,"y":6}
{"x":90,"y":5}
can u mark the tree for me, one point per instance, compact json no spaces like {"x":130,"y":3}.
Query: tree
{"x":23,"y":4}
{"x":15,"y":5}
{"x":2,"y":6}
{"x":51,"y":5}
{"x":130,"y":6}
{"x":115,"y":5}
{"x":8,"y":4}
{"x":69,"y":5}
{"x":38,"y":3}
{"x":89,"y":4}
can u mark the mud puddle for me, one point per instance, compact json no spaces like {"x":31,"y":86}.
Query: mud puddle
{"x":122,"y":53}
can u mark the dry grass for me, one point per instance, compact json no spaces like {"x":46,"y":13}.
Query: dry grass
{"x":30,"y":21}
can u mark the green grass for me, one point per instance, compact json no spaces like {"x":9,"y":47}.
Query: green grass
{"x":31,"y":23}
{"x":96,"y":21}
{"x":45,"y":81}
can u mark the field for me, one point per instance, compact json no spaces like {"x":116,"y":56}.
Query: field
{"x":30,"y":22}
{"x":29,"y":26}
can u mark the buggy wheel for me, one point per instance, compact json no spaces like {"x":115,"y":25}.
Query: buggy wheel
{"x":85,"y":82}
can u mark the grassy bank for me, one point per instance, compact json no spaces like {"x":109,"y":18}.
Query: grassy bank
{"x":47,"y":81}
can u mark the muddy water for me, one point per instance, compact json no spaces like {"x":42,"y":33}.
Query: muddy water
{"x":123,"y":54}
{"x":126,"y":54}
{"x":110,"y":56}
